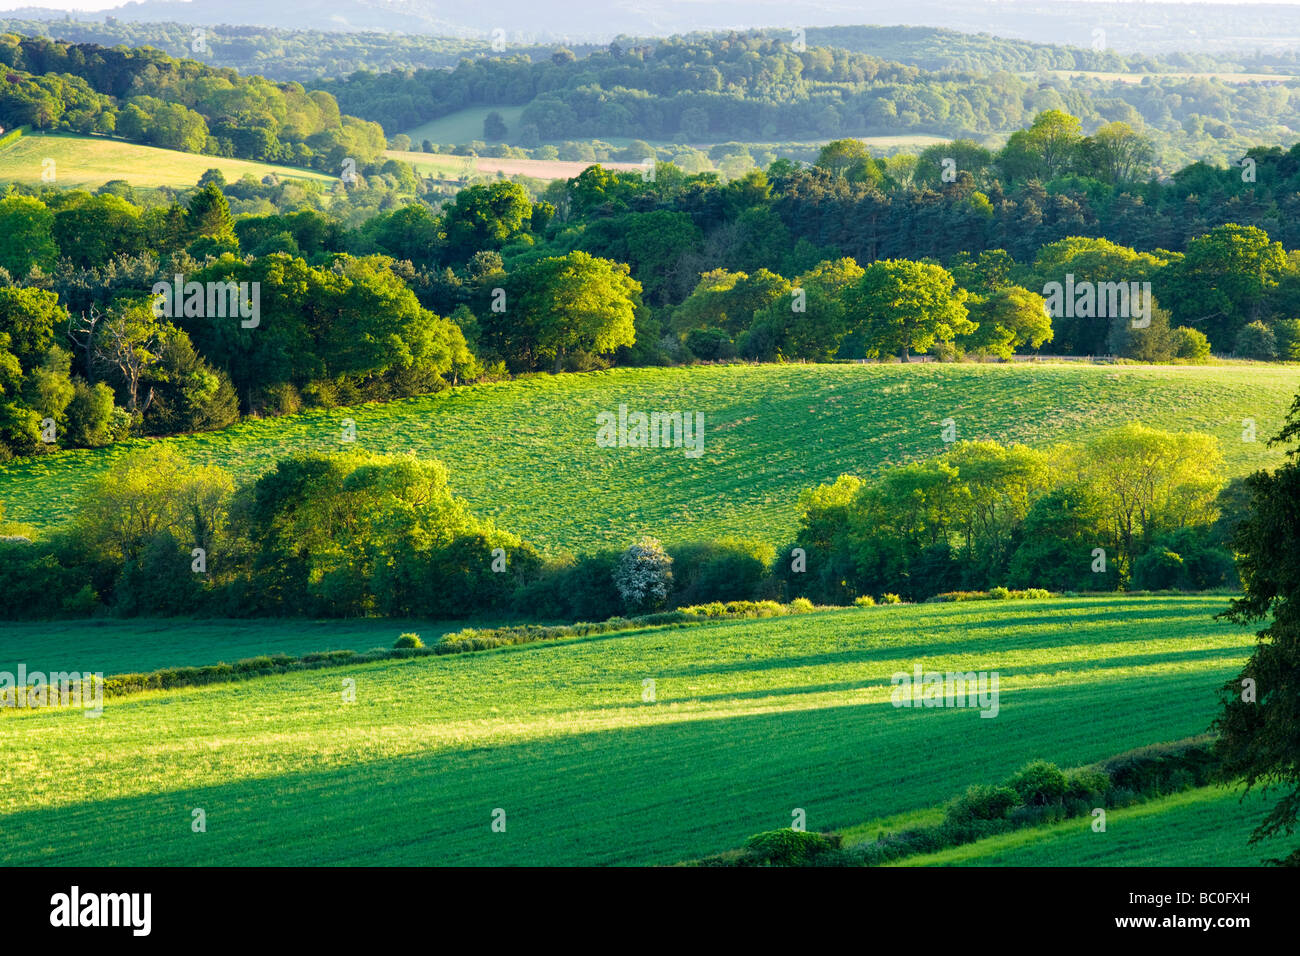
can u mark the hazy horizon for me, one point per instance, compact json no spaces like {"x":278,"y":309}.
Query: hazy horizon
{"x":94,"y":6}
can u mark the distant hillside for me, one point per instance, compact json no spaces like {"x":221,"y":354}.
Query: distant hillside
{"x":760,"y":86}
{"x":308,"y":55}
{"x":280,"y":54}
{"x":932,"y":48}
{"x":1150,"y":28}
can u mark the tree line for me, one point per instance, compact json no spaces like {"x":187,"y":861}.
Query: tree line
{"x":307,"y":55}
{"x":757,"y":85}
{"x":145,"y":96}
{"x":383,"y":293}
{"x":1132,"y":507}
{"x":357,"y":533}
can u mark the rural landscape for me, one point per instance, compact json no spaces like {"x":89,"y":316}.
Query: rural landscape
{"x":465,"y":443}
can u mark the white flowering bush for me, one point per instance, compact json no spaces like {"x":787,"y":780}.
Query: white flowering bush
{"x":644,"y":575}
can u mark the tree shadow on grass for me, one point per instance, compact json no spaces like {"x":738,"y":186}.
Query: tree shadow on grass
{"x":675,"y":789}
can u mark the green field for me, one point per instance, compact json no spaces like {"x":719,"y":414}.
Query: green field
{"x":116,"y":646}
{"x":911,"y":142}
{"x":465,"y":126}
{"x":524,"y":452}
{"x":753,"y":718}
{"x":446,"y":166}
{"x":1206,"y":827}
{"x":91,"y":161}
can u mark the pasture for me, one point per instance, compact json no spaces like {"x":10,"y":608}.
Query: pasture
{"x":749,"y":720}
{"x":117,"y":646}
{"x":87,"y":162}
{"x":465,"y":126}
{"x":525,"y":453}
{"x":446,"y":166}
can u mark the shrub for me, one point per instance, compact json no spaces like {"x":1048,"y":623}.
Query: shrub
{"x":281,"y":399}
{"x":575,"y":589}
{"x":1121,"y":797}
{"x":1256,"y":341}
{"x":1190,"y":345}
{"x":953,"y":596}
{"x":322,"y":394}
{"x":89,"y":416}
{"x":789,"y":847}
{"x":890,"y":599}
{"x":710,"y":344}
{"x":1158,"y":570}
{"x":1185,"y":560}
{"x":1039,"y":783}
{"x":981,"y":802}
{"x":993,"y":594}
{"x":1086,"y":782}
{"x":1035,"y":816}
{"x":922,"y":840}
{"x":865,"y":600}
{"x":726,"y":570}
{"x":160,"y":581}
{"x":82,"y":604}
{"x":1287,"y":332}
{"x":712,"y":609}
{"x":946,"y":352}
{"x":644,"y":575}
{"x":801,"y":606}
{"x":836,"y":857}
{"x":736,"y":609}
{"x":408,"y":640}
{"x":1161,"y":767}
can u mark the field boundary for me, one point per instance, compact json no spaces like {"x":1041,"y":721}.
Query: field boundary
{"x":467,"y":640}
{"x":1027,"y":801}
{"x":13,"y":136}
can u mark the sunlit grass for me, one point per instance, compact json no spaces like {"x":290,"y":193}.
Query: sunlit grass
{"x":751,"y":719}
{"x":1205,"y":827}
{"x":91,"y":161}
{"x":525,"y":453}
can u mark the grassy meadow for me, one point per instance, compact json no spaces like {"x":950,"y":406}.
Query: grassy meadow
{"x":1204,"y":827}
{"x":752,"y":718}
{"x":464,"y":126}
{"x":446,"y":166}
{"x":87,"y":162}
{"x":136,"y":645}
{"x":524,"y":452}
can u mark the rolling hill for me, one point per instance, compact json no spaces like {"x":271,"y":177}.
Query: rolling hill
{"x":524,"y":452}
{"x":750,"y":719}
{"x":88,"y":162}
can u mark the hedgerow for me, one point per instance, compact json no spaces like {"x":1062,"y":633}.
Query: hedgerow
{"x":1040,"y":793}
{"x":463,"y":641}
